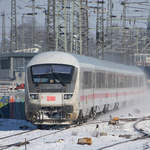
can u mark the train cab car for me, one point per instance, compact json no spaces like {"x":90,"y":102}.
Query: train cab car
{"x":63,"y":88}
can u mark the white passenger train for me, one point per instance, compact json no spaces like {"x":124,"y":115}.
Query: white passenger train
{"x":66,"y":88}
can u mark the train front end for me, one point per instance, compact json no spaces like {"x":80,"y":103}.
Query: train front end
{"x":50,"y":94}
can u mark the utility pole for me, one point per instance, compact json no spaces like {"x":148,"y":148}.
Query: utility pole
{"x":124,"y":28}
{"x":108,"y":16}
{"x":72,"y":34}
{"x":111,"y":5}
{"x":76,"y":31}
{"x":23,"y":45}
{"x":80,"y":27}
{"x":87,"y":28}
{"x":51,"y":24}
{"x":61,"y":25}
{"x":3,"y":34}
{"x":84,"y":26}
{"x":100,"y":30}
{"x":13,"y":35}
{"x":33,"y":23}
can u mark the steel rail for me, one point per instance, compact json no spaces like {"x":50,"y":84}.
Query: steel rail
{"x":5,"y":137}
{"x":144,"y":136}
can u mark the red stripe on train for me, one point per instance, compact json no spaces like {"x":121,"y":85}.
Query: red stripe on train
{"x":108,"y":95}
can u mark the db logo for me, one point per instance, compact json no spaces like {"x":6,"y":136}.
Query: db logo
{"x":51,"y":98}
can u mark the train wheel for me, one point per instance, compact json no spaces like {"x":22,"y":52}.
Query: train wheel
{"x":34,"y":118}
{"x":80,"y":119}
{"x":106,"y":108}
{"x":92,"y":113}
{"x":116,"y":106}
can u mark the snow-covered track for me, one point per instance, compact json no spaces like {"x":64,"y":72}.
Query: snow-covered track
{"x":144,"y":132}
{"x":131,"y":140}
{"x":20,"y":133}
{"x":28,"y":141}
{"x":53,"y":132}
{"x":24,"y":142}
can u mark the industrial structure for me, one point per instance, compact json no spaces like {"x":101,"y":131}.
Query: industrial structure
{"x":95,"y":28}
{"x":68,"y":28}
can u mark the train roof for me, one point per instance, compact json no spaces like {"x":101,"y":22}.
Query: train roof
{"x":79,"y":61}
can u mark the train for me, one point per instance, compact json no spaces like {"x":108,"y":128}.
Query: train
{"x":66,"y":88}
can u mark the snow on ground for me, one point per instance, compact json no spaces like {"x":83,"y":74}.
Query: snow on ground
{"x":67,"y":140}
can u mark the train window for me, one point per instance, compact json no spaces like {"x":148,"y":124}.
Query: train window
{"x":48,"y":72}
{"x":129,"y":81}
{"x":100,"y":80}
{"x":113,"y":80}
{"x":87,"y":80}
{"x":120,"y":81}
{"x":136,"y":81}
{"x":133,"y":81}
{"x":103,"y":80}
{"x":109,"y":80}
{"x":126,"y":81}
{"x":40,"y":69}
{"x":141,"y":82}
{"x":52,"y":78}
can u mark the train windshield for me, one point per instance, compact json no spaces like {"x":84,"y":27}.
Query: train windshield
{"x":52,"y":74}
{"x":52,"y":77}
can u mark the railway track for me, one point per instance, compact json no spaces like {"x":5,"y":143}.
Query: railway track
{"x":140,"y":130}
{"x":21,"y":133}
{"x":20,"y":143}
{"x":144,"y":133}
{"x":25,"y":142}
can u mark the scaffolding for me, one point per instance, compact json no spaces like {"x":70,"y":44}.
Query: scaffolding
{"x":3,"y":34}
{"x":13,"y":34}
{"x":72,"y":26}
{"x":33,"y":23}
{"x":100,"y":29}
{"x":51,"y":24}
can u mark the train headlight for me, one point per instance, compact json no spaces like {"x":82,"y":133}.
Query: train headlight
{"x":67,"y":96}
{"x":34,"y":96}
